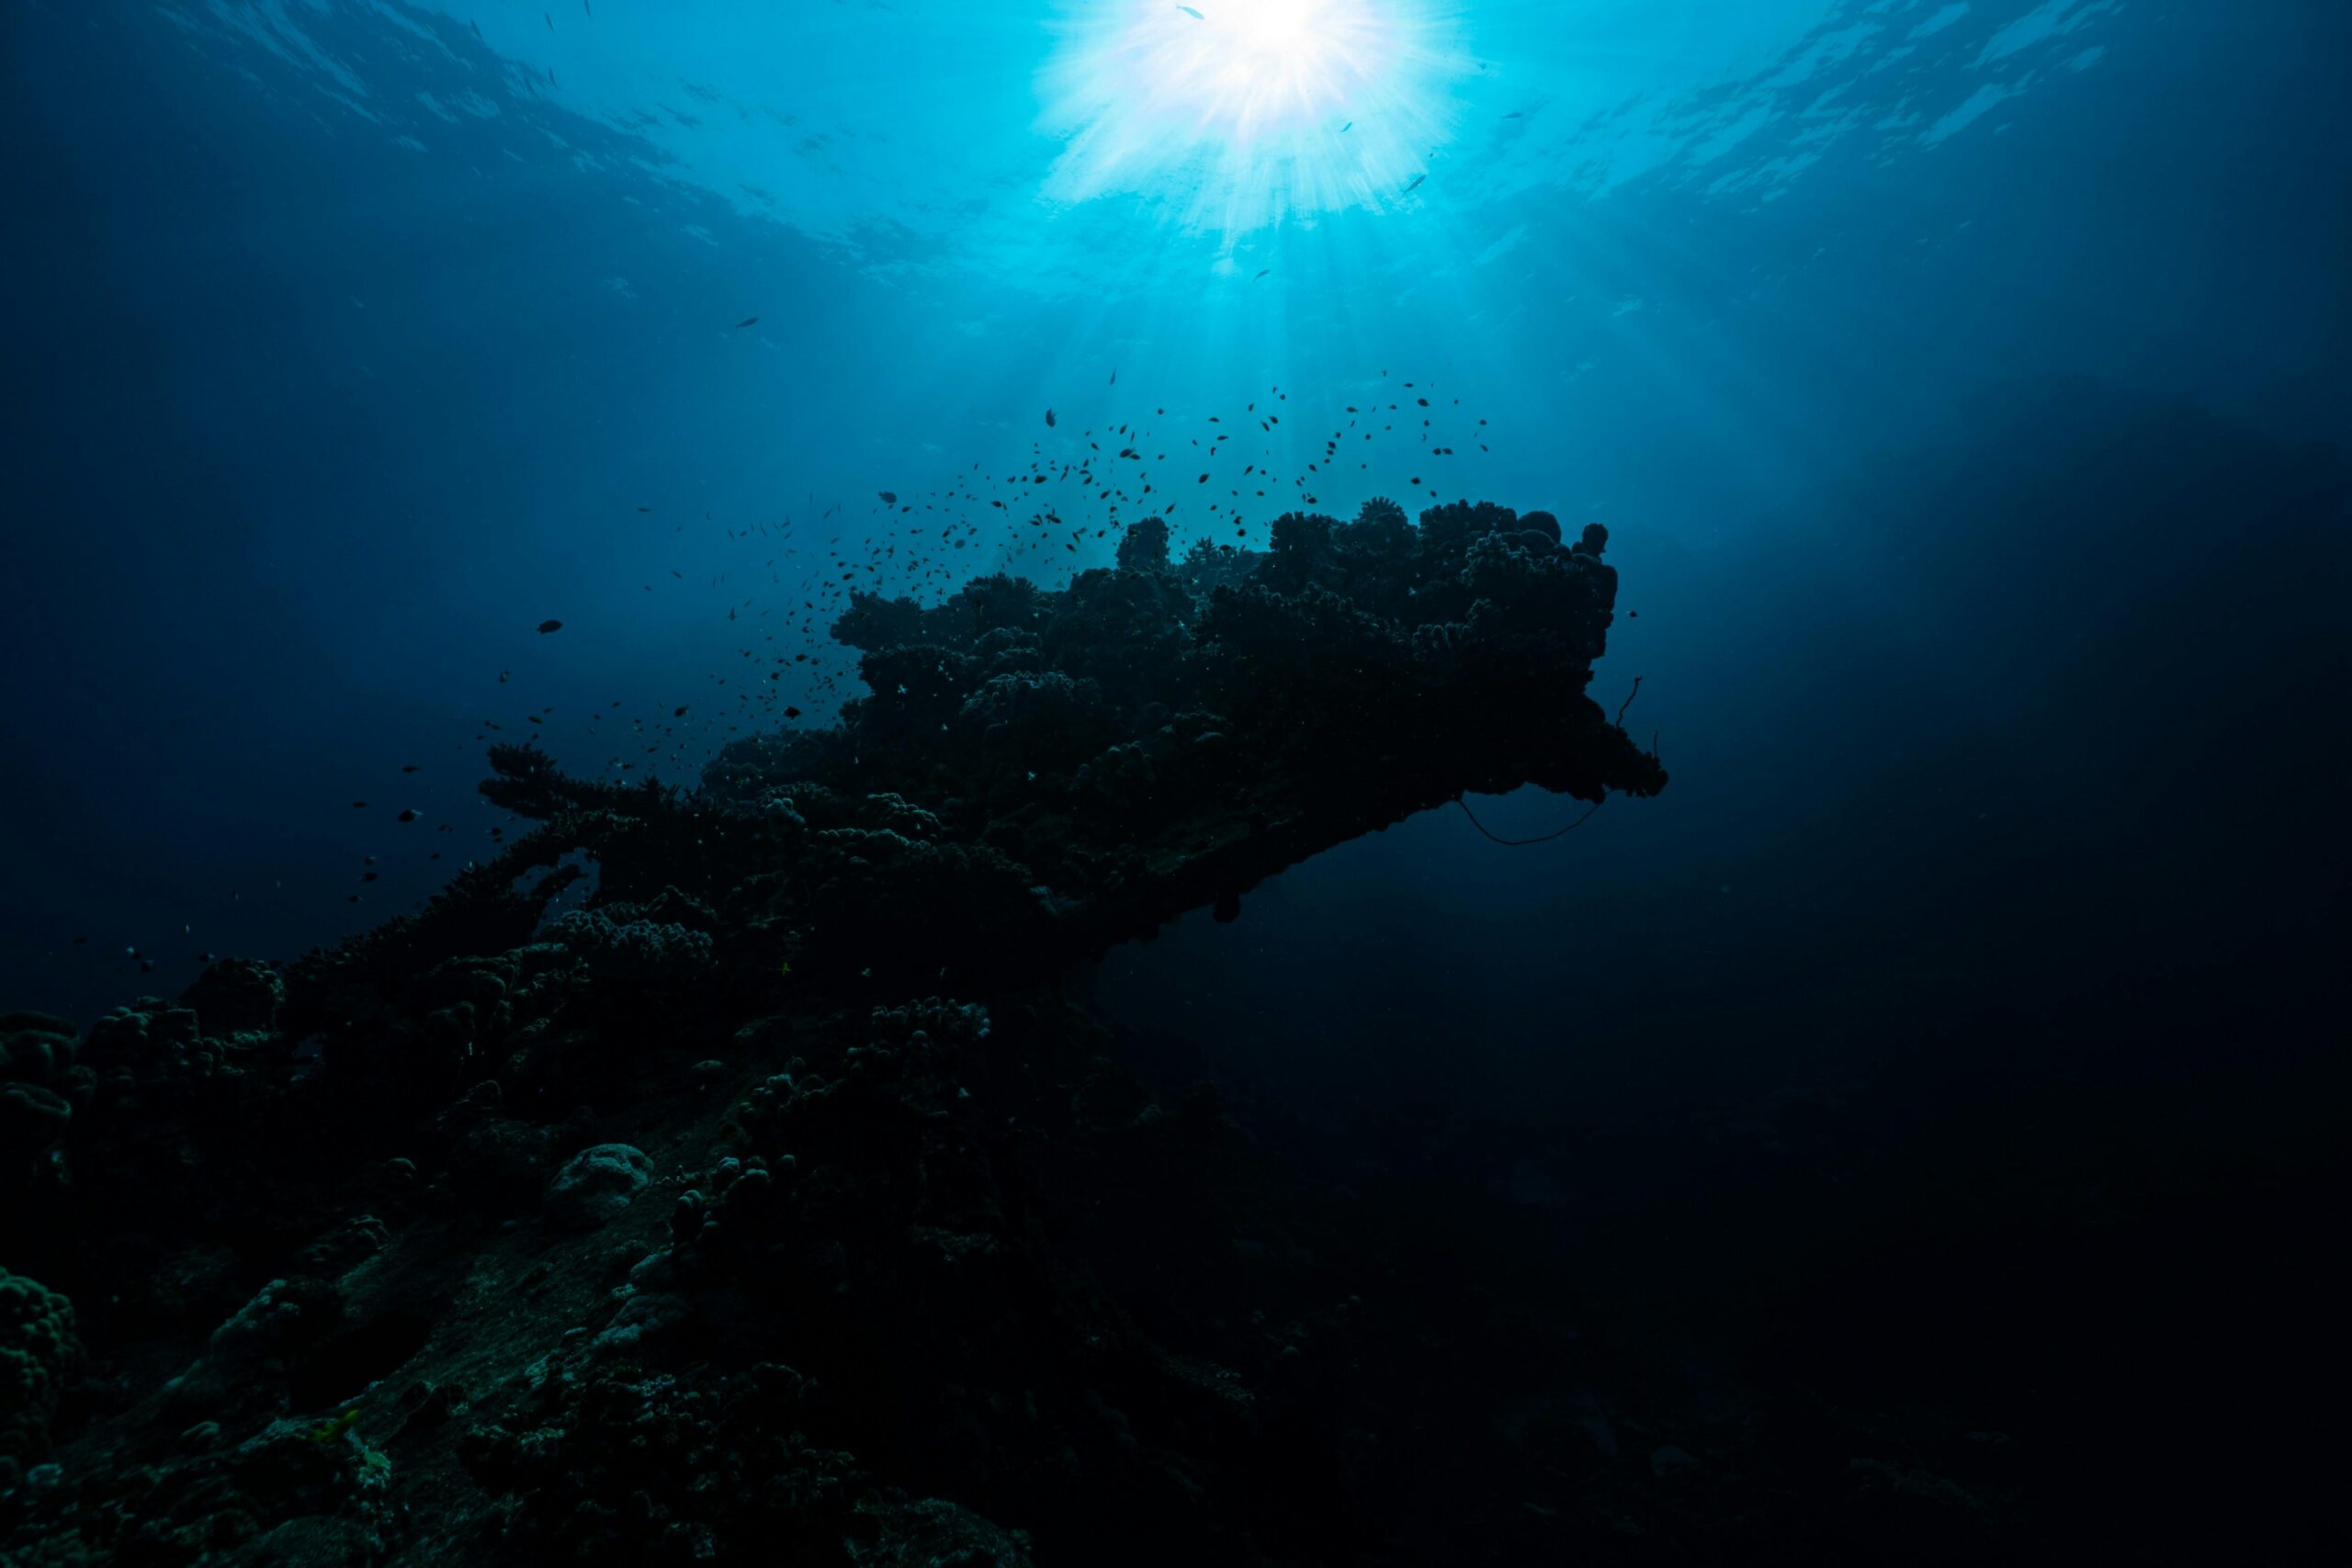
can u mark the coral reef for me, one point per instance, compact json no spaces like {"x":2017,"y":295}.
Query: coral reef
{"x":773,"y":1206}
{"x":39,"y":1354}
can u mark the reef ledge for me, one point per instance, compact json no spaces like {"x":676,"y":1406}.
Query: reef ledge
{"x":770,"y":1205}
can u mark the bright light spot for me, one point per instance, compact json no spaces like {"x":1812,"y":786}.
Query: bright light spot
{"x":1251,"y":111}
{"x":1267,"y":29}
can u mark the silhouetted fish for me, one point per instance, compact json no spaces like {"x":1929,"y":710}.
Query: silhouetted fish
{"x":1415,"y":185}
{"x":1049,"y":419}
{"x":1189,"y":12}
{"x":747,"y":322}
{"x":546,"y":627}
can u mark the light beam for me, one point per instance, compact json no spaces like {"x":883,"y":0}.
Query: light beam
{"x":1252,"y":112}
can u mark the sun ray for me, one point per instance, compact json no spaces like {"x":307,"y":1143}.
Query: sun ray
{"x":1236,"y":116}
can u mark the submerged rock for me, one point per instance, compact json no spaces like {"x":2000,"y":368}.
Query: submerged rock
{"x":1148,"y":740}
{"x":595,"y":1185}
{"x":941,"y":1278}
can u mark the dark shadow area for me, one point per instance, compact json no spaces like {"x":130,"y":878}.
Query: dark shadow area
{"x":348,"y":1365}
{"x":1991,"y":1192}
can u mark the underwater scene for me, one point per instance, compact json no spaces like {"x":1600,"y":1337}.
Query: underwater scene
{"x":1092,"y":783}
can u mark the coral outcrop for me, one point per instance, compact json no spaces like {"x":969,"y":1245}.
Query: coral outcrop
{"x":771,"y":1206}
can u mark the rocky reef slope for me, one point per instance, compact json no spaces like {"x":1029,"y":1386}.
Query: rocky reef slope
{"x":767,"y":1203}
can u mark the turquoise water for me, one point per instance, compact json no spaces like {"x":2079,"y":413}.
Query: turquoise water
{"x":353,"y":337}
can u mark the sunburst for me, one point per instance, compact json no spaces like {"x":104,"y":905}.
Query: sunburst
{"x":1238,"y":115}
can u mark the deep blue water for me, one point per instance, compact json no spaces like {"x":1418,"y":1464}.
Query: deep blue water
{"x":1960,"y":382}
{"x":1953,"y":1047}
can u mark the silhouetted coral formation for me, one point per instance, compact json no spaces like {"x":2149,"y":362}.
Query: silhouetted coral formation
{"x":765,"y":1208}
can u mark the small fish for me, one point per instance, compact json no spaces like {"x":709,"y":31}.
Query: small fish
{"x":546,"y":627}
{"x":1049,"y":419}
{"x":410,"y":767}
{"x":1514,"y":115}
{"x":678,"y":711}
{"x":791,"y":713}
{"x":409,"y":816}
{"x":1345,"y":128}
{"x":1261,"y":274}
{"x":1415,"y":185}
{"x":1189,"y":12}
{"x":747,"y":322}
{"x":1114,"y":377}
{"x":550,"y":20}
{"x":890,"y":497}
